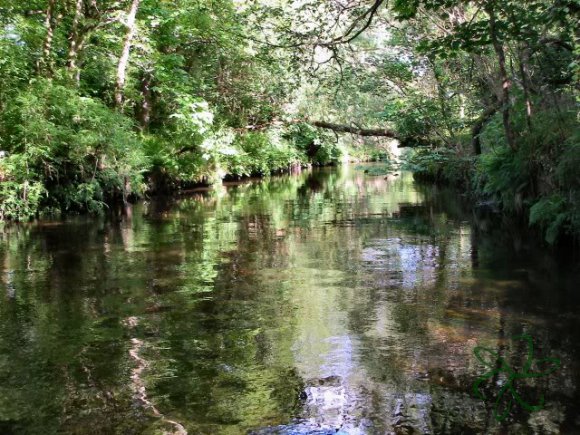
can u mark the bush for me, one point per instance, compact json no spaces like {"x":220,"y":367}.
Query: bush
{"x":559,"y":213}
{"x":82,"y":153}
{"x":19,"y":200}
{"x":550,"y":213}
{"x":261,"y":154}
{"x":505,"y":176}
{"x":321,"y":148}
{"x":442,"y":165}
{"x":541,"y":176}
{"x":372,"y":154}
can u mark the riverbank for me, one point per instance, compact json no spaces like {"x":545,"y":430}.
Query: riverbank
{"x":522,"y":185}
{"x":100,"y":185}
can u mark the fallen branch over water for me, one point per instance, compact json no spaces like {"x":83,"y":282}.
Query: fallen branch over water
{"x":343,"y":128}
{"x":339,"y":128}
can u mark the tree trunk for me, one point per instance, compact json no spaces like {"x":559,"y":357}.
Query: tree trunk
{"x":339,"y":128}
{"x":87,"y":18}
{"x":478,"y":127}
{"x":524,"y":55}
{"x":75,"y":39}
{"x":145,"y":109}
{"x":44,"y":64}
{"x":124,"y":59}
{"x":442,"y":97}
{"x":506,"y":82}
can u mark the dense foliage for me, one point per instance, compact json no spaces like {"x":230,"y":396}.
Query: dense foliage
{"x":102,"y":101}
{"x":484,"y":94}
{"x":106,"y":100}
{"x":505,"y":99}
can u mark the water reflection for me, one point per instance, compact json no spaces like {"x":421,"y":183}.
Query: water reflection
{"x":330,"y":301}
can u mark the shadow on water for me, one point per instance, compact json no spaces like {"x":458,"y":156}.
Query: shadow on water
{"x":328,"y":301}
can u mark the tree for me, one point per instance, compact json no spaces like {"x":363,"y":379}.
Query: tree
{"x":130,"y":23}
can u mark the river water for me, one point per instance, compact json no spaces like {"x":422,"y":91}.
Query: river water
{"x":328,"y":302}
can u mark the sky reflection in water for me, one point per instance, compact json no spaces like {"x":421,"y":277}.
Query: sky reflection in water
{"x":328,"y":301}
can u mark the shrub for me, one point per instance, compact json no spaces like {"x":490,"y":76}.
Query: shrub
{"x":82,"y":153}
{"x":261,"y":154}
{"x":320,"y":148}
{"x":439,"y":164}
{"x":550,"y":214}
{"x":541,"y":175}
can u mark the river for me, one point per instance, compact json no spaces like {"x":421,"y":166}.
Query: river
{"x":327,"y":302}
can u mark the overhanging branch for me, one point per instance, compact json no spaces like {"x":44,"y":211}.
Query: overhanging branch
{"x":342,"y":128}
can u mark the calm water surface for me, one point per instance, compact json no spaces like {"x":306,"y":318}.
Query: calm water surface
{"x":327,"y":302}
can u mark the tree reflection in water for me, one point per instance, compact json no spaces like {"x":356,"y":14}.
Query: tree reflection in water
{"x":327,"y":301}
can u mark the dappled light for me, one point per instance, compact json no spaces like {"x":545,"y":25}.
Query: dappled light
{"x":289,"y":217}
{"x":304,"y":304}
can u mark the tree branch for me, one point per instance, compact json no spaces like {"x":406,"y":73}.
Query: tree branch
{"x":343,"y":128}
{"x":479,"y":124}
